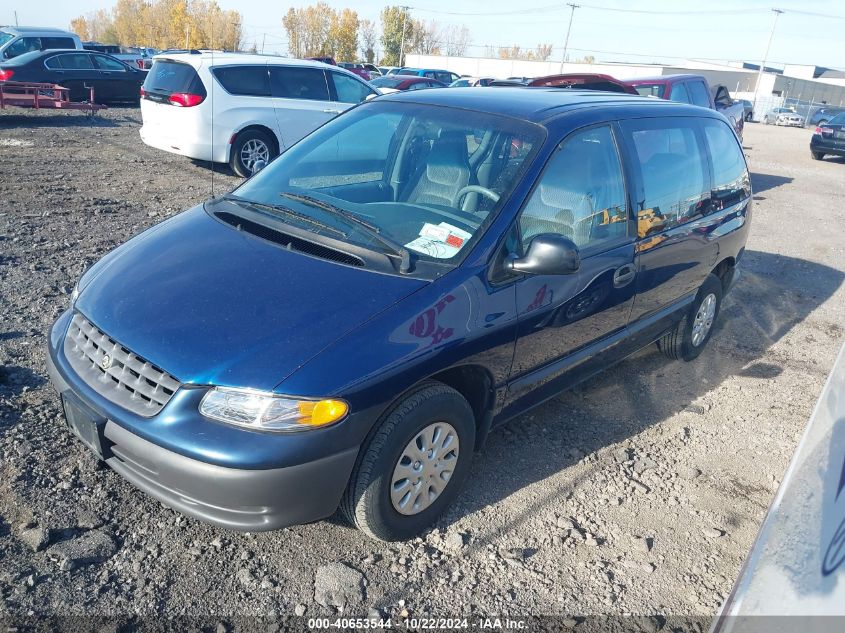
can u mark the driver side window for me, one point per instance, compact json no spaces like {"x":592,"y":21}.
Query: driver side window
{"x":581,"y":193}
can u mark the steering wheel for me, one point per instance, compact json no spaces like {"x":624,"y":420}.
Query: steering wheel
{"x":484,"y":191}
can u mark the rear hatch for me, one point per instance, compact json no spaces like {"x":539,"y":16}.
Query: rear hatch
{"x":833,"y":133}
{"x":173,"y":83}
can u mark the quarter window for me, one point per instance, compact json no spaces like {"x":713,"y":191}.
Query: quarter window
{"x":48,"y":43}
{"x":731,"y":183}
{"x":250,"y":81}
{"x":349,"y":90}
{"x":674,"y":173}
{"x":581,"y":194}
{"x":299,"y":82}
{"x":53,"y":63}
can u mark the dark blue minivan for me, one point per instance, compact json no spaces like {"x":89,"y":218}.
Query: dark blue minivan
{"x":346,"y":327}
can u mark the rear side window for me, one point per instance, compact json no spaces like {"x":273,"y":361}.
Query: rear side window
{"x":698,"y":94}
{"x":297,"y":82}
{"x":249,"y":81}
{"x":75,"y":61}
{"x":21,"y":46}
{"x":581,"y":194}
{"x":168,"y":77}
{"x":679,"y":93}
{"x":674,"y":172}
{"x":651,"y":90}
{"x":57,"y":42}
{"x":349,"y":90}
{"x":107,"y":63}
{"x":731,"y":183}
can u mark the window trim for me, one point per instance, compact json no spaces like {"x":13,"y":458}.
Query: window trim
{"x":266,"y":68}
{"x":638,"y":180}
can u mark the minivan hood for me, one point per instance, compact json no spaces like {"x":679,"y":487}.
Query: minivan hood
{"x":213,"y":305}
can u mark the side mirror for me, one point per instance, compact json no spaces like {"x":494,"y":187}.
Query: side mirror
{"x":548,"y":254}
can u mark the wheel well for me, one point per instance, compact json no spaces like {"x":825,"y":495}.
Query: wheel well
{"x":473,"y":383}
{"x":260,"y":128}
{"x":725,"y":271}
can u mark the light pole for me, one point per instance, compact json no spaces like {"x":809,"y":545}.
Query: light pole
{"x":402,"y":44}
{"x":777,"y":13}
{"x":568,"y":30}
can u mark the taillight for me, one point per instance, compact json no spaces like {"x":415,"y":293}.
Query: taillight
{"x":824,"y":130}
{"x":143,"y":92}
{"x":185,"y":99}
{"x":6,"y":75}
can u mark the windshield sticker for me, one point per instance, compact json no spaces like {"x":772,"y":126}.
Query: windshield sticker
{"x":439,"y":240}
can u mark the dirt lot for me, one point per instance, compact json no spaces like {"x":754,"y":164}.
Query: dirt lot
{"x":639,"y":493}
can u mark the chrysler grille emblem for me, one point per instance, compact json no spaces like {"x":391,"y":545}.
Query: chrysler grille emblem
{"x":105,"y":361}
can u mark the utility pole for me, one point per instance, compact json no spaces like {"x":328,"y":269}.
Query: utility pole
{"x":402,"y":45}
{"x":568,"y":30}
{"x":187,"y":36}
{"x":16,"y":19}
{"x":263,"y":39}
{"x":777,"y":13}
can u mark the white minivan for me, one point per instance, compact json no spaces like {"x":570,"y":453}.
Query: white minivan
{"x":239,"y":108}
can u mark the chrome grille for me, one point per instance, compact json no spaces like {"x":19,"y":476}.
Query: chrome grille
{"x":116,"y":373}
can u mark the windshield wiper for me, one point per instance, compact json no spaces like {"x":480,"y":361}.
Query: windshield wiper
{"x":279,"y":208}
{"x":371,"y":229}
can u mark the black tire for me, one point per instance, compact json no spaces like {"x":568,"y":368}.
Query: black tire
{"x":367,"y":502}
{"x":817,"y":155}
{"x":258,"y":138}
{"x":677,"y":343}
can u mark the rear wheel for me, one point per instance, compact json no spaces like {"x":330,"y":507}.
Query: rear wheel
{"x":413,"y":466}
{"x":817,"y":155}
{"x":251,"y":146}
{"x":687,"y":339}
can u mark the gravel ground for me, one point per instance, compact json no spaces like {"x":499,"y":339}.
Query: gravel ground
{"x":640,"y":492}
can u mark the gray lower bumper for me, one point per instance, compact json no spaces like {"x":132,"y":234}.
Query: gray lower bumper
{"x":250,"y":500}
{"x":247,"y":500}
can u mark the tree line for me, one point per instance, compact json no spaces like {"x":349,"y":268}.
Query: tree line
{"x":317,"y":30}
{"x":163,"y":24}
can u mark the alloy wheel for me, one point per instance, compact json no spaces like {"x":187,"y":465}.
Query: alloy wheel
{"x":253,"y":151}
{"x":703,"y":319}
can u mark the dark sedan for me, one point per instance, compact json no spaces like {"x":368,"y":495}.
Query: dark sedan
{"x":829,"y":139}
{"x":78,"y":71}
{"x":397,"y":83}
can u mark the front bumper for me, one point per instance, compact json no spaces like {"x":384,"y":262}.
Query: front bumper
{"x":248,"y":499}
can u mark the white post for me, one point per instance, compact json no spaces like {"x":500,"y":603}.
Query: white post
{"x":568,"y":30}
{"x":765,"y":57}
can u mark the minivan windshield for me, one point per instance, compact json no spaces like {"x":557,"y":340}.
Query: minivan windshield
{"x":425,"y":179}
{"x":5,"y":37}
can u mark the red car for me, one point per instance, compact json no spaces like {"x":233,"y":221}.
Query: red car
{"x":396,"y":83}
{"x":583,"y":81}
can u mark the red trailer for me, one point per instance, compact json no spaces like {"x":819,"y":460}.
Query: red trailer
{"x":38,"y":96}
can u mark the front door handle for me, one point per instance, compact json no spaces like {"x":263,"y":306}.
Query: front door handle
{"x":623,"y":275}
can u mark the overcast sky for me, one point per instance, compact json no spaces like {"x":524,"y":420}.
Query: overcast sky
{"x":663,"y":30}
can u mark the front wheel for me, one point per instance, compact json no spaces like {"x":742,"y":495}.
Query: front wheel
{"x":250,"y":147}
{"x":413,"y":466}
{"x":687,"y":339}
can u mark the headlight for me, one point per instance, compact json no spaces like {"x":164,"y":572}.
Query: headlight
{"x":263,"y":411}
{"x":74,"y":295}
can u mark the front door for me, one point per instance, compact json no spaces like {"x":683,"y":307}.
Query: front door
{"x":563,"y":319}
{"x":301,"y":100}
